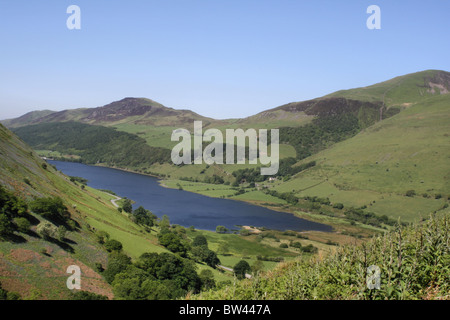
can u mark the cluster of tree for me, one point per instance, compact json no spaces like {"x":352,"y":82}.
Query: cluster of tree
{"x":79,"y":180}
{"x":353,"y":214}
{"x":369,"y":218}
{"x":214,"y":179}
{"x":13,"y":214}
{"x":51,"y":208}
{"x":201,"y":252}
{"x":94,"y":144}
{"x":15,"y":217}
{"x":152,"y":276}
{"x":307,"y":249}
{"x":289,"y":197}
{"x":286,"y":168}
{"x":241,"y":269}
{"x":320,"y":133}
{"x":267,"y":258}
{"x":144,"y":217}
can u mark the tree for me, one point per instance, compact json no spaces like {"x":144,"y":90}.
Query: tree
{"x":211,"y":259}
{"x":173,"y":242}
{"x":102,"y":236}
{"x":117,"y":262}
{"x":207,"y":279}
{"x":223,"y":248}
{"x":200,"y":240}
{"x":11,"y":209}
{"x":221,"y":229}
{"x":200,"y":253}
{"x":127,"y":206}
{"x":46,"y":230}
{"x":22,"y":224}
{"x":241,"y":268}
{"x":61,"y":233}
{"x":165,"y":222}
{"x":143,"y":216}
{"x":51,"y":208}
{"x":6,"y":227}
{"x":113,"y":245}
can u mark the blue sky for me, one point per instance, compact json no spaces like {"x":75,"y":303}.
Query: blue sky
{"x":222,"y":59}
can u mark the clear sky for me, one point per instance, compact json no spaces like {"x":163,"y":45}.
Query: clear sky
{"x":219,"y":58}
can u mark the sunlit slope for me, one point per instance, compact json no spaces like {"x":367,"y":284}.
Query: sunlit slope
{"x":403,"y":90}
{"x":376,"y":168}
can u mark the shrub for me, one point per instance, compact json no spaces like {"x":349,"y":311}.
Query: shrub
{"x":50,"y":208}
{"x":23,"y":225}
{"x":46,"y":230}
{"x":410,"y":193}
{"x":113,"y":245}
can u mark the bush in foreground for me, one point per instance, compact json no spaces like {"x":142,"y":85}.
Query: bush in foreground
{"x":414,"y":262}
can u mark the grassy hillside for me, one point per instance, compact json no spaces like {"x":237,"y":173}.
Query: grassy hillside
{"x":403,"y":90}
{"x":377,"y":168}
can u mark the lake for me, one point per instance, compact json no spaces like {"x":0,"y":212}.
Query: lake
{"x":182,"y":207}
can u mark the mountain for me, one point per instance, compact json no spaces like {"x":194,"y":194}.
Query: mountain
{"x":138,"y":111}
{"x":399,"y":92}
{"x":403,"y":90}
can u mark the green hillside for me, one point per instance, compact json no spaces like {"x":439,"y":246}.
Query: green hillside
{"x":399,"y":167}
{"x":403,"y":90}
{"x":93,"y":144}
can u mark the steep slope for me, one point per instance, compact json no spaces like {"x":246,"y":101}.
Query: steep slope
{"x":35,"y":267}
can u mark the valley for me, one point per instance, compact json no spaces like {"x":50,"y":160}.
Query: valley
{"x":365,"y":162}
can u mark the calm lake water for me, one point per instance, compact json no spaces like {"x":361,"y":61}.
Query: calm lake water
{"x":182,"y":207}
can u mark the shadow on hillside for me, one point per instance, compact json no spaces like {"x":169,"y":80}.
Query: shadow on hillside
{"x":14,"y":238}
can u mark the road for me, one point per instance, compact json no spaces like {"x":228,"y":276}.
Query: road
{"x":248,"y":276}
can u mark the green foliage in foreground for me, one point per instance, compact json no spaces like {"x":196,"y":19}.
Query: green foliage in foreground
{"x":414,"y":264}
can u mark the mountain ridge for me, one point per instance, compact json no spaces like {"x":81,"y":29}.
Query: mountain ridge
{"x":399,"y":92}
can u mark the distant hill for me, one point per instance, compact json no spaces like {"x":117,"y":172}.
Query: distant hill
{"x":129,"y":110}
{"x":398,"y":92}
{"x":26,"y":119}
{"x":403,"y":90}
{"x":93,"y":144}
